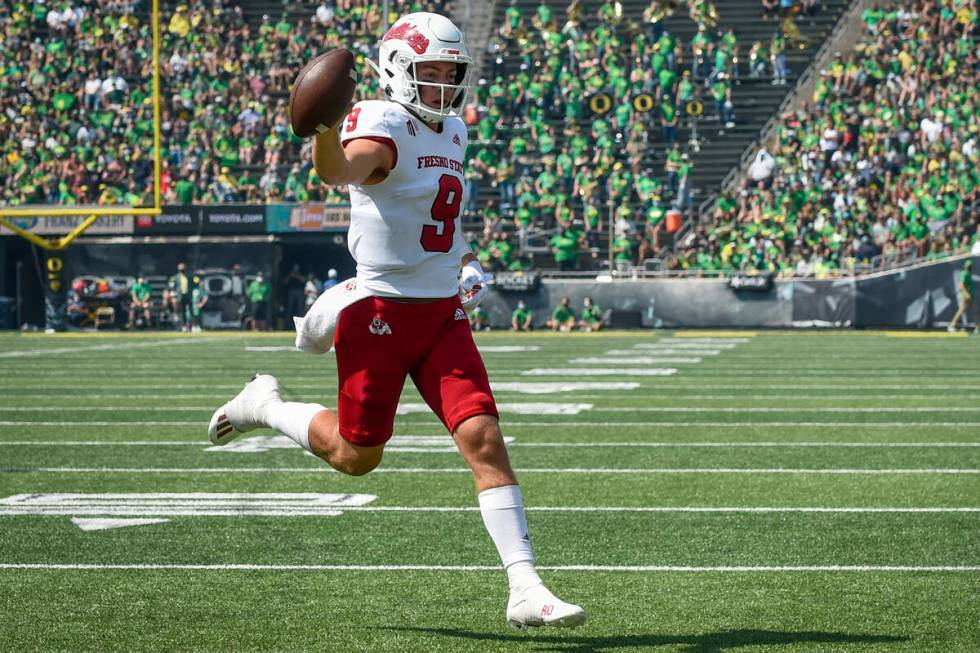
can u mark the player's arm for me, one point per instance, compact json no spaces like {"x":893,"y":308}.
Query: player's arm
{"x":362,"y":162}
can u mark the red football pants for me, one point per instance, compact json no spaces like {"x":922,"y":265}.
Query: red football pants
{"x":381,"y":341}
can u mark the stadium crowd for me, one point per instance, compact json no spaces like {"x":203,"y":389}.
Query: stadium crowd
{"x":76,"y":126}
{"x":882,"y":163}
{"x":552,"y":166}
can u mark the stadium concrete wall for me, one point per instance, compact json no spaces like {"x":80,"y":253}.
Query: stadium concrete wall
{"x":918,"y":297}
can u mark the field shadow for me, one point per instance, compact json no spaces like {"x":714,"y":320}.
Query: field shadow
{"x":729,"y":640}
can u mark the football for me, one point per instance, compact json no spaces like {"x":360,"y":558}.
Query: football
{"x":322,"y":92}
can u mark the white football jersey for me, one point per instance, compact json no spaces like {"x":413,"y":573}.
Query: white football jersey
{"x":405,"y":231}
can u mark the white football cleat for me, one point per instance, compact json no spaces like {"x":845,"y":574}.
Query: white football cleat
{"x":537,"y":606}
{"x":241,"y":414}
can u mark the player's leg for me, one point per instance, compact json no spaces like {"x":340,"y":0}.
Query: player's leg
{"x":530,"y":603}
{"x":453,"y":381}
{"x":350,"y":439}
{"x":310,"y":425}
{"x":960,"y":312}
{"x":327,"y":444}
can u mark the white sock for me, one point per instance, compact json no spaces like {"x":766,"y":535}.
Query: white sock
{"x":503,"y":515}
{"x":292,"y":419}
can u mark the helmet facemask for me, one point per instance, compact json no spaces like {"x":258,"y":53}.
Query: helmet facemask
{"x":416,"y":39}
{"x":407,"y":93}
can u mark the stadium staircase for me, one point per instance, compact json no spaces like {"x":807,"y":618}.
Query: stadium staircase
{"x":849,"y":29}
{"x":755,"y":100}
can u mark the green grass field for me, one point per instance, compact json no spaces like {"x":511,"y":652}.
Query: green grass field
{"x":775,"y":492}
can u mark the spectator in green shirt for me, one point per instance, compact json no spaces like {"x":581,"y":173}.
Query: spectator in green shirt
{"x":591,"y":316}
{"x":522,"y":319}
{"x":199,"y":299}
{"x":966,"y":298}
{"x":565,"y":247}
{"x":258,"y":296}
{"x":563,"y":317}
{"x":139,"y":300}
{"x":623,"y":251}
{"x":479,"y":319}
{"x":185,"y":191}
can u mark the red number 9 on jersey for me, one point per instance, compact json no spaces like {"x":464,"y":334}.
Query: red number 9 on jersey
{"x":445,"y":209}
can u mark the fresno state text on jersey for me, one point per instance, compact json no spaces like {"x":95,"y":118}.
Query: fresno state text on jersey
{"x":405,"y":231}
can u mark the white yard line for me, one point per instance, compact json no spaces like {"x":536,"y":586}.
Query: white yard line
{"x":495,"y":568}
{"x":328,"y":384}
{"x":518,"y":388}
{"x":787,"y":409}
{"x":544,"y":387}
{"x":635,"y":360}
{"x":98,"y":423}
{"x":691,"y":340}
{"x":22,"y":353}
{"x":597,"y":371}
{"x":243,"y":504}
{"x":463,"y":470}
{"x":666,"y":351}
{"x":555,"y":424}
{"x":104,"y":443}
{"x":557,"y":408}
{"x":405,"y":408}
{"x":684,"y":346}
{"x":748,"y":445}
{"x":673,"y":509}
{"x":506,"y":349}
{"x":586,"y":372}
{"x":687,"y":424}
{"x":598,"y":444}
{"x":272,"y":509}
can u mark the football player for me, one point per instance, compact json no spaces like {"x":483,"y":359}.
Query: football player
{"x":402,"y":315}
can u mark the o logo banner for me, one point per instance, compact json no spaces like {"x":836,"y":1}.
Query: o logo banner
{"x":600,"y":103}
{"x":55,"y":264}
{"x":694,"y":108}
{"x":643,"y":102}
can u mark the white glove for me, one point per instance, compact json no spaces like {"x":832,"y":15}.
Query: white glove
{"x":473,"y":282}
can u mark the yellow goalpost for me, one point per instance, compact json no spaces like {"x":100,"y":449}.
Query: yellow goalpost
{"x":94,"y":213}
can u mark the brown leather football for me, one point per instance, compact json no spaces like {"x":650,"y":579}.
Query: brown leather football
{"x":322,"y":92}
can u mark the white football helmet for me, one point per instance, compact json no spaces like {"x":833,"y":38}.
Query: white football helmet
{"x":414,"y":39}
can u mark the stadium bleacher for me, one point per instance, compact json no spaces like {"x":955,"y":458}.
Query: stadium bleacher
{"x":879,"y":167}
{"x":545,"y":172}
